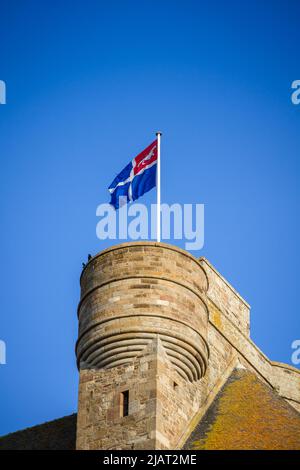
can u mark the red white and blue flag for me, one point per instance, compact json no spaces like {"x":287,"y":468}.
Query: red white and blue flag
{"x":137,"y":178}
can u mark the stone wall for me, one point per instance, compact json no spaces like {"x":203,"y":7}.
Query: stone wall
{"x":228,"y":331}
{"x":226,"y":299}
{"x":161,"y":404}
{"x":170,"y":329}
{"x":131,"y":294}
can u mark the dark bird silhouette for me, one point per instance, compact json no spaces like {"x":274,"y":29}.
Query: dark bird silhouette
{"x":89,"y":257}
{"x":83,"y":265}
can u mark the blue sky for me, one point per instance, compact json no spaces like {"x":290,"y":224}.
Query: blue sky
{"x":88,"y":84}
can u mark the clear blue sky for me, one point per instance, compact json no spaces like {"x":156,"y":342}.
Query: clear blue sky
{"x":88,"y":84}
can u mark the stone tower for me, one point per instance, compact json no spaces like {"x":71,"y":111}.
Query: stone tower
{"x":160,"y":334}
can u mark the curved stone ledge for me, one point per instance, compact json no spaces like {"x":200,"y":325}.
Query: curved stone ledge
{"x":108,"y":335}
{"x":188,"y":353}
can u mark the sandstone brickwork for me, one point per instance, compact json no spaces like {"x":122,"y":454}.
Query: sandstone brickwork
{"x":132,"y":293}
{"x":161,"y":403}
{"x":166,"y":362}
{"x":169,"y":330}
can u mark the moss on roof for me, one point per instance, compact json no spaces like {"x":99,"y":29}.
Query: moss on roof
{"x":247,"y":414}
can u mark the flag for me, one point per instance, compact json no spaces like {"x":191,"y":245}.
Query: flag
{"x":137,"y":178}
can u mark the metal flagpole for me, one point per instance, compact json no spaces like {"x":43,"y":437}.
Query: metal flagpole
{"x":158,"y":134}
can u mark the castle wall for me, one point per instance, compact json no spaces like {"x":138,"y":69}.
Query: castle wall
{"x":222,"y":300}
{"x":161,"y":404}
{"x":168,"y":328}
{"x":131,"y":293}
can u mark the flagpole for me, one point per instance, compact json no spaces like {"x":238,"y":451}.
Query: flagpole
{"x":158,"y":134}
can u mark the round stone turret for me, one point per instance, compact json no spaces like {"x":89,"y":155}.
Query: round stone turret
{"x":131,"y":293}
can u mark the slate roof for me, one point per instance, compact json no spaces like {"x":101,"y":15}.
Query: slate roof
{"x":59,"y":434}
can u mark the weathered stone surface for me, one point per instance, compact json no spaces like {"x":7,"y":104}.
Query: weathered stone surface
{"x":131,"y":293}
{"x":170,"y":329}
{"x":172,"y":332}
{"x":161,"y":404}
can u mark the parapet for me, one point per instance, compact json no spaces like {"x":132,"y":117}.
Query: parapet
{"x":226,"y":298}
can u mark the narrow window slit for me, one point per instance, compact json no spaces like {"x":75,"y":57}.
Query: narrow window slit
{"x":124,"y":403}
